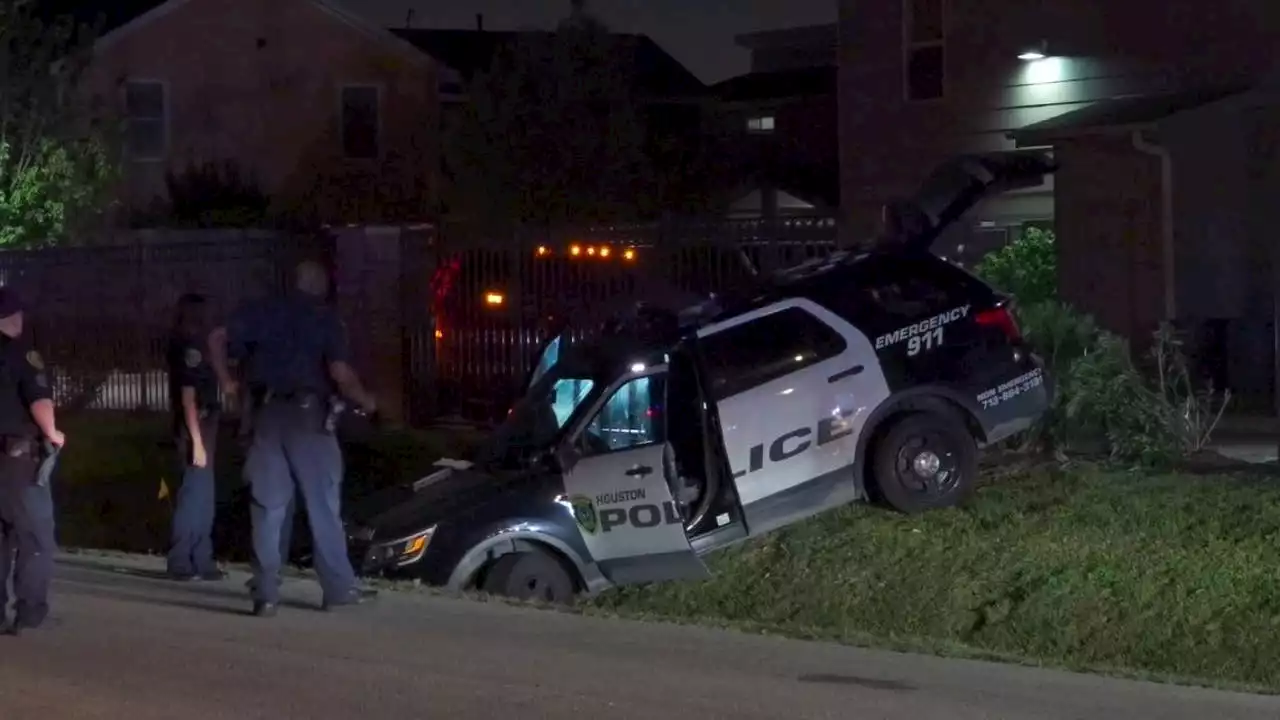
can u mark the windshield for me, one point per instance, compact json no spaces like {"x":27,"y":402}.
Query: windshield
{"x":541,"y":415}
{"x":550,"y":356}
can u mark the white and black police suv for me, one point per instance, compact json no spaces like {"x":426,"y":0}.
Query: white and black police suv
{"x":667,"y":436}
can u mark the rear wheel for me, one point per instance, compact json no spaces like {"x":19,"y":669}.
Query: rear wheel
{"x":927,"y":460}
{"x":530,"y":575}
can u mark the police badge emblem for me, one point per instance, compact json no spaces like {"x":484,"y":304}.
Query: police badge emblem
{"x":584,"y":511}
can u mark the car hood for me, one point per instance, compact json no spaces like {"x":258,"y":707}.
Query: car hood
{"x":964,"y":181}
{"x":453,"y":488}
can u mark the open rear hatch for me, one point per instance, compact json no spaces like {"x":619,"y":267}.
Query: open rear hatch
{"x":961,"y":183}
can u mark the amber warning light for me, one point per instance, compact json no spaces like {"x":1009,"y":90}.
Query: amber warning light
{"x":604,"y":252}
{"x":494,"y":299}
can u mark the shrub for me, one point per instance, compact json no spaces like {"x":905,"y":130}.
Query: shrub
{"x":1104,"y":403}
{"x":1026,"y":268}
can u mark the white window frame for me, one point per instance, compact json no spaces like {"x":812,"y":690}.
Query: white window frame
{"x":762,"y":124}
{"x":164,"y":117}
{"x":342,"y":119}
{"x":910,"y":46}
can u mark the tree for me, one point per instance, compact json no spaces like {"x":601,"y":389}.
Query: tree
{"x":552,"y":133}
{"x":55,"y":167}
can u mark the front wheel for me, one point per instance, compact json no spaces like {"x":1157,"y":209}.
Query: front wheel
{"x":927,"y":460}
{"x":530,"y":575}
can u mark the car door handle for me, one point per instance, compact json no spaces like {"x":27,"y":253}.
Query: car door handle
{"x":639,"y":471}
{"x":855,"y":370}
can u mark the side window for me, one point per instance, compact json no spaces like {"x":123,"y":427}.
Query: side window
{"x":630,"y":418}
{"x":753,"y":353}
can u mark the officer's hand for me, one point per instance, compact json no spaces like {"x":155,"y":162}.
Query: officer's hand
{"x":199,"y":458}
{"x":231,"y":388}
{"x":58,"y":438}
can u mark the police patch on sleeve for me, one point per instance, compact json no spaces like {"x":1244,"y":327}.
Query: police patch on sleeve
{"x":34,"y":359}
{"x":193,"y":357}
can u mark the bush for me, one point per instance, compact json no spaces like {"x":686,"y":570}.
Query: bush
{"x":1104,"y":403}
{"x":1026,"y":268}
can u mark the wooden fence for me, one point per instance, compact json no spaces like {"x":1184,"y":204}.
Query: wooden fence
{"x":441,"y":327}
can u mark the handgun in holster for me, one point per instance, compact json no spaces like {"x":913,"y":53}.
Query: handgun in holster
{"x":337,"y":405}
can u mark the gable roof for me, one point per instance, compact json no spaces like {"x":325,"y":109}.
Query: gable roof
{"x":119,"y":17}
{"x":471,"y":51}
{"x":778,"y":85}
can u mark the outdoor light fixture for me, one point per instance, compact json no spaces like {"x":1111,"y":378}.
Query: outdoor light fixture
{"x":543,"y":251}
{"x":628,"y":254}
{"x":1037,"y":52}
{"x":439,"y":334}
{"x":494,"y":298}
{"x":591,"y":251}
{"x":604,"y":252}
{"x":575,"y":250}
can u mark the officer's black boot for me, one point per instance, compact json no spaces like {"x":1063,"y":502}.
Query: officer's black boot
{"x":264,"y":609}
{"x":354,"y":596}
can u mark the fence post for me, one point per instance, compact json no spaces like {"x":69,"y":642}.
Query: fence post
{"x":367,"y":263}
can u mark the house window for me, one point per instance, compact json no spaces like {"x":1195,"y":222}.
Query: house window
{"x":763,"y":124}
{"x":361,"y":122}
{"x":147,"y":131}
{"x":924,"y":49}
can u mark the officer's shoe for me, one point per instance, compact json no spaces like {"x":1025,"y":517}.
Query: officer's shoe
{"x":265,"y":609}
{"x":354,"y":596}
{"x":214,"y":575}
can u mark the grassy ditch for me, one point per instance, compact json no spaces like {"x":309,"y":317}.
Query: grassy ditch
{"x":1170,"y":576}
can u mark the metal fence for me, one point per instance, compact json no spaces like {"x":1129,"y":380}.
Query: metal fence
{"x":100,"y":314}
{"x":492,"y":303}
{"x":466,"y":316}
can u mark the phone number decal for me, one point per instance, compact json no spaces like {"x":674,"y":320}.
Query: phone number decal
{"x":1011,"y":389}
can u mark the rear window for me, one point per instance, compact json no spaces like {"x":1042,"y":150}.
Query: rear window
{"x":767,"y":348}
{"x":908,"y":288}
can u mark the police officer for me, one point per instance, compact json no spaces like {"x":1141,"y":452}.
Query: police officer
{"x":193,"y":399}
{"x":299,"y":355}
{"x":27,"y":542}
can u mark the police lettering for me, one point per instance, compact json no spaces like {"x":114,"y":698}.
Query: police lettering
{"x":642,"y":515}
{"x":795,"y":442}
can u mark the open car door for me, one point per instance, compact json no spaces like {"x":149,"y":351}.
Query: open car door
{"x":619,"y":486}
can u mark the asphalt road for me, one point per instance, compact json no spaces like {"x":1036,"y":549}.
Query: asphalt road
{"x":123,"y":646}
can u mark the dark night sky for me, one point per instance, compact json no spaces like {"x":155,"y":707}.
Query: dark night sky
{"x":699,"y":33}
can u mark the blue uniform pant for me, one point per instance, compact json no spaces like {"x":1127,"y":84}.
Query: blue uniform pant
{"x":290,"y":445}
{"x":27,"y":539}
{"x":191,"y":542}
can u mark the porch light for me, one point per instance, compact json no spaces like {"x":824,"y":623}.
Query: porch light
{"x":1036,"y":52}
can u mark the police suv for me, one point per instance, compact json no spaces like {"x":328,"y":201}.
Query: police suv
{"x":668,"y":435}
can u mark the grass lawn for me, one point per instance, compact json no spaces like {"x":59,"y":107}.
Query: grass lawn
{"x":1171,"y":576}
{"x":1165,"y":576}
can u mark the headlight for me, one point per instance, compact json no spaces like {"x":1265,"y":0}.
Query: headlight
{"x":407,"y":551}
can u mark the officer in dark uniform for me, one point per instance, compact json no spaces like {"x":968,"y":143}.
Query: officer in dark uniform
{"x":298,"y":358}
{"x":27,"y":542}
{"x":193,"y":399}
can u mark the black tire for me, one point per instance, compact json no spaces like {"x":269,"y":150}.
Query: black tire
{"x":530,"y":575}
{"x":925,"y":461}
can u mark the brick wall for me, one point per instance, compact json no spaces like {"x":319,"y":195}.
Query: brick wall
{"x":1109,"y":234}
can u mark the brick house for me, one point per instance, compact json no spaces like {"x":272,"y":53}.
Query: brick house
{"x":333,"y":117}
{"x":781,"y":123}
{"x":1125,"y":101}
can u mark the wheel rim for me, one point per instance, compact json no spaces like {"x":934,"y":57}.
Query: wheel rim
{"x":536,"y":587}
{"x":928,"y":464}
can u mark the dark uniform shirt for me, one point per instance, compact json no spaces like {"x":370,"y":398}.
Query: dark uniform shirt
{"x":288,"y":344}
{"x":189,"y":368}
{"x":23,"y":381}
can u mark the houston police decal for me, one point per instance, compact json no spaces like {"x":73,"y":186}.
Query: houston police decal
{"x":924,"y":335}
{"x":584,"y":511}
